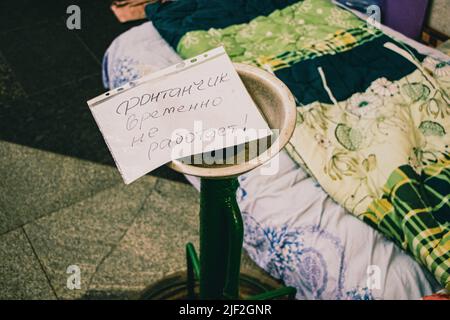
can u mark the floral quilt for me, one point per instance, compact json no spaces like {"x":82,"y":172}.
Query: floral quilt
{"x":384,"y":155}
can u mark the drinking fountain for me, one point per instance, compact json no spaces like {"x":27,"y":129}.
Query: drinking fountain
{"x":221,"y":227}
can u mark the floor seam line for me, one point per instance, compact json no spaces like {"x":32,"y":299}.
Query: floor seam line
{"x":40,"y":263}
{"x":85,"y":77}
{"x":14,"y":74}
{"x":114,"y":247}
{"x":87,"y":48}
{"x":29,"y":26}
{"x":59,"y":209}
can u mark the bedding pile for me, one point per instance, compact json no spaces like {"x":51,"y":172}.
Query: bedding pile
{"x":339,"y":254}
{"x":373,"y":115}
{"x":366,"y":103}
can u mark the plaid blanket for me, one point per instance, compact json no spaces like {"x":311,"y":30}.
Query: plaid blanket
{"x":414,"y":210}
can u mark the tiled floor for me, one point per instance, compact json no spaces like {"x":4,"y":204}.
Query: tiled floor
{"x":48,"y":72}
{"x":62,"y":201}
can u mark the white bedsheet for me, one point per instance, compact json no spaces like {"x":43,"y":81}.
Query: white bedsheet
{"x":292,"y":227}
{"x":298,"y":234}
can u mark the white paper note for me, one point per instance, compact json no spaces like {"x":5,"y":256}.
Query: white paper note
{"x":198,"y":105}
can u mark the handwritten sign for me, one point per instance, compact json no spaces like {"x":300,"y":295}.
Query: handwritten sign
{"x":198,"y":105}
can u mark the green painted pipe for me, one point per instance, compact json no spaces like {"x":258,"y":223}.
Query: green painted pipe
{"x":221,"y":236}
{"x":193,"y":269}
{"x":235,"y":240}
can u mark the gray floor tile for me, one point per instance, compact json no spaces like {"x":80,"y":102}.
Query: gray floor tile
{"x":45,"y":55}
{"x":21,"y":276}
{"x":154,"y":246}
{"x":34,"y":183}
{"x":9,"y":86}
{"x":85,"y":233}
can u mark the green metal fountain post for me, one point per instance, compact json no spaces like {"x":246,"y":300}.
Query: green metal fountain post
{"x":221,"y":236}
{"x":221,"y":227}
